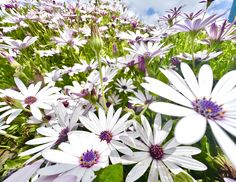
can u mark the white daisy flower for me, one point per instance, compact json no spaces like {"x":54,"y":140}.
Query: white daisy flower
{"x":108,"y":74}
{"x":113,"y":99}
{"x":54,"y":76}
{"x":18,"y":44}
{"x":84,"y":66}
{"x":81,"y":157}
{"x":124,"y":85}
{"x":141,"y":99}
{"x":199,"y":56}
{"x":33,"y":96}
{"x":8,"y":110}
{"x":109,"y":128}
{"x":149,"y":49}
{"x":199,"y":104}
{"x":47,"y":53}
{"x":67,"y":38}
{"x":54,"y":135}
{"x":132,"y":36}
{"x":163,"y":158}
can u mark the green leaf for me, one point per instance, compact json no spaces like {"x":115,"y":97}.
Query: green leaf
{"x":112,"y":173}
{"x":183,"y":177}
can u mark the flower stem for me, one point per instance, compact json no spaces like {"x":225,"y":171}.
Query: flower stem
{"x":101,"y":80}
{"x":8,"y":135}
{"x":192,"y":51}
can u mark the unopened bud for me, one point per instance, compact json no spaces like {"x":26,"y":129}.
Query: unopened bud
{"x":96,"y":42}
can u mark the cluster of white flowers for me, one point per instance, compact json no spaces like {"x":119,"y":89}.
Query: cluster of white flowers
{"x":102,"y":106}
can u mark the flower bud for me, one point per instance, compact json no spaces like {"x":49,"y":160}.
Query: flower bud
{"x":96,"y":42}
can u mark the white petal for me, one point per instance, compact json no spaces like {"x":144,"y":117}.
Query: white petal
{"x":68,"y":178}
{"x":228,"y":128}
{"x":178,"y":83}
{"x":162,"y":134}
{"x":153,"y":174}
{"x":134,"y":143}
{"x":13,"y":116}
{"x":21,"y":86}
{"x":190,"y":129}
{"x":135,"y":158}
{"x":223,"y":84}
{"x":55,"y":169}
{"x":165,"y":91}
{"x":89,"y":125}
{"x":186,"y":162}
{"x":102,"y":118}
{"x":36,"y":112}
{"x":226,"y":144}
{"x":147,"y":128}
{"x":47,"y":131}
{"x":88,"y":176}
{"x":205,"y":79}
{"x":57,"y":156}
{"x":172,"y":143}
{"x":190,"y":79}
{"x":114,"y":119}
{"x":36,"y":149}
{"x":170,"y":109}
{"x":114,"y":156}
{"x":183,"y":150}
{"x":121,"y":147}
{"x":164,"y":173}
{"x":138,"y":170}
{"x":42,"y":140}
{"x":172,"y":167}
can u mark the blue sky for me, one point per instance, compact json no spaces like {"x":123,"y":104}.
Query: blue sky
{"x":148,"y":10}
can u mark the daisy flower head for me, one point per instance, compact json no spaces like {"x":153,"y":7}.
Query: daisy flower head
{"x":8,"y":109}
{"x":152,"y":150}
{"x":54,"y":134}
{"x":198,"y":103}
{"x":124,"y":85}
{"x":141,"y":99}
{"x":33,"y":97}
{"x":80,"y":157}
{"x":109,"y":128}
{"x":201,"y":56}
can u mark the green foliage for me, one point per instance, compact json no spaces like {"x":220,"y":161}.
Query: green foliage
{"x":183,"y":177}
{"x":112,"y":173}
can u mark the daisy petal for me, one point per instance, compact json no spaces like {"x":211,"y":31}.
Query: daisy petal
{"x":226,"y":144}
{"x":170,"y":109}
{"x":165,"y":91}
{"x":57,"y":156}
{"x":164,"y":173}
{"x":187,"y":162}
{"x":190,"y":79}
{"x":190,"y":129}
{"x":136,"y":157}
{"x":138,"y":170}
{"x":55,"y":169}
{"x":153,"y":174}
{"x":205,"y":79}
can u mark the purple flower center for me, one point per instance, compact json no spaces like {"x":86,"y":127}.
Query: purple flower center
{"x":66,"y":103}
{"x":124,"y":87}
{"x":63,"y":137}
{"x":106,"y":136}
{"x":208,"y":109}
{"x":105,"y":79}
{"x":156,"y":152}
{"x":89,"y":158}
{"x":30,"y":100}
